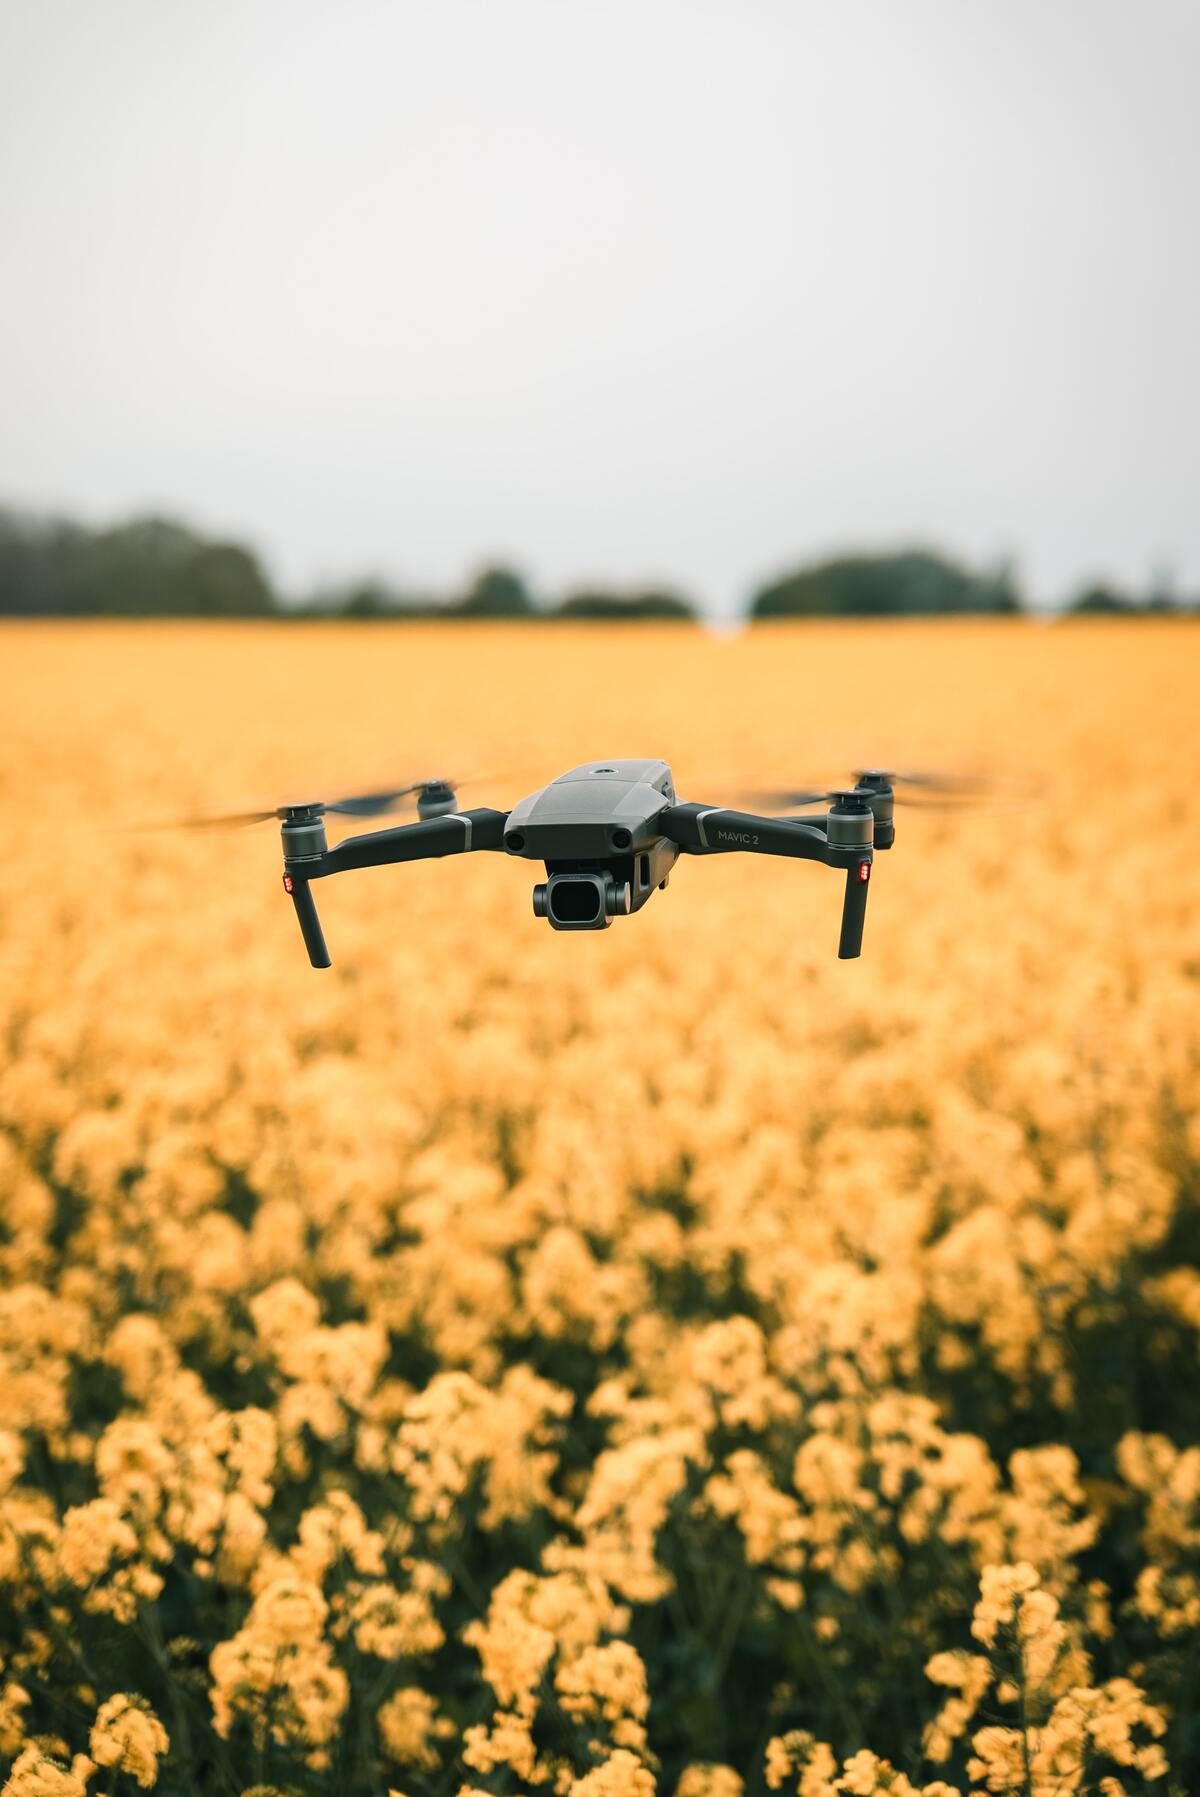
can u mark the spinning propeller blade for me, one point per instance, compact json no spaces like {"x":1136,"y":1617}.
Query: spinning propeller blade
{"x":376,"y":804}
{"x":229,"y":820}
{"x":441,"y":791}
{"x":935,"y":791}
{"x":363,"y":804}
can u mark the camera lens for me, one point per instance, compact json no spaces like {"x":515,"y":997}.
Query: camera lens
{"x":575,"y":901}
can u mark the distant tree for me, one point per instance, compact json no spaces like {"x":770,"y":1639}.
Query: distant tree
{"x":1162,"y":595}
{"x":653,"y":603}
{"x":368,"y":599}
{"x":148,"y":567}
{"x":133,"y":568}
{"x":1100,"y":599}
{"x":913,"y":582}
{"x":218,"y":580}
{"x":46,"y":566}
{"x":999,"y":589}
{"x":495,"y":592}
{"x":27,"y":561}
{"x":361,"y":599}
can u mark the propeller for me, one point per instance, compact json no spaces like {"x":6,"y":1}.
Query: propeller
{"x":360,"y":804}
{"x":934,"y":791}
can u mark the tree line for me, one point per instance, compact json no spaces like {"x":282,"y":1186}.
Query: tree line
{"x":157,"y":567}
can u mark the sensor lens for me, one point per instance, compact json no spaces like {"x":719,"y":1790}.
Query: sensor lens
{"x":575,"y":901}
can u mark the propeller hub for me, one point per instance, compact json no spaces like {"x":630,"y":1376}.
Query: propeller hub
{"x":435,"y":798}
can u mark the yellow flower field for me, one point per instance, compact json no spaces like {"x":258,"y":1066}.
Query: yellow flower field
{"x":665,"y":1360}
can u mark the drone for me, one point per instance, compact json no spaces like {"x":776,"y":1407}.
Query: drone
{"x":608,"y":832}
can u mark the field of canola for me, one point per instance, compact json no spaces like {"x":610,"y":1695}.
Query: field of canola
{"x":666,"y":1360}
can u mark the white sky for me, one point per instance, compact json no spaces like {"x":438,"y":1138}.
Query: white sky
{"x":647,"y":289}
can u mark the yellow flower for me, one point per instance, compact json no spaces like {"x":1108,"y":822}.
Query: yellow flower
{"x":394,"y":1624}
{"x":13,"y":1700}
{"x":703,"y":1780}
{"x":407,"y":1723}
{"x":799,"y":1754}
{"x":93,"y":1537}
{"x":38,"y":1774}
{"x":284,"y":1312}
{"x":12,"y":1459}
{"x":279,"y":1671}
{"x":456,"y":1429}
{"x":128,"y":1736}
{"x":608,"y":1681}
{"x":621,"y":1775}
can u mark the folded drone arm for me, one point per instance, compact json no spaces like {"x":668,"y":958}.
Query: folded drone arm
{"x":454,"y":833}
{"x":715,"y":830}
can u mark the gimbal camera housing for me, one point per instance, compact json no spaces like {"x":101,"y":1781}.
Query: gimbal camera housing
{"x":608,"y":833}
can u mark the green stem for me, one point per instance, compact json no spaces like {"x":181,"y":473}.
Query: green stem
{"x":1022,"y":1711}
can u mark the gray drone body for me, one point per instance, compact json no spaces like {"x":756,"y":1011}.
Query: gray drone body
{"x":608,"y":832}
{"x":597,"y":830}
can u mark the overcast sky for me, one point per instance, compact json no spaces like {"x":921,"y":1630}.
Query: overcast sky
{"x":660,"y":290}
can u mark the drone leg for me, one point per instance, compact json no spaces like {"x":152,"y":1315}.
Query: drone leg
{"x":310,"y":923}
{"x":854,"y":910}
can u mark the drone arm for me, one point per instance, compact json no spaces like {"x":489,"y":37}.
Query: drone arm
{"x":452,"y":834}
{"x":714,"y":830}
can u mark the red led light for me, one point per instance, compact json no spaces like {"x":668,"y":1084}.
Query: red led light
{"x":287,"y":883}
{"x":864,"y":872}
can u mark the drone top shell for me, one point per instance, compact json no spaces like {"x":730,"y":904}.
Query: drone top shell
{"x":593,"y":809}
